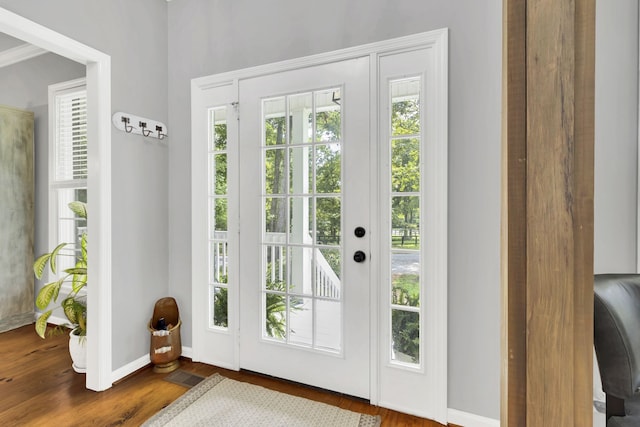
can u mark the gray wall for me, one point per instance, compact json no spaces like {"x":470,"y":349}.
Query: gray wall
{"x":616,"y":136}
{"x":213,"y":36}
{"x":134,"y":34}
{"x":25,"y":85}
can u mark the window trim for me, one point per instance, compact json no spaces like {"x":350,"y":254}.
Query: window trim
{"x":53,"y":184}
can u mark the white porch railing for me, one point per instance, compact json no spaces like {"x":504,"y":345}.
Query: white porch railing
{"x":327,"y":283}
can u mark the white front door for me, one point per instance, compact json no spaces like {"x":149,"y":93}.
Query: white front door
{"x":304,"y":189}
{"x":291,"y":163}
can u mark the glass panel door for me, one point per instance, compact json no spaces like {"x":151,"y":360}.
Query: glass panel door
{"x":305,"y":301}
{"x":302,"y":220}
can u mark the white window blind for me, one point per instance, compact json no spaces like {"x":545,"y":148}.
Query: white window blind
{"x":71,"y":136}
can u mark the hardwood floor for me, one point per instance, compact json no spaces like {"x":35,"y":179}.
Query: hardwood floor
{"x":38,"y":387}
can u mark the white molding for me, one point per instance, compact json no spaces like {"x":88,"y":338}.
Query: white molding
{"x":436,"y":40}
{"x":210,"y":345}
{"x":187,"y":352}
{"x":19,"y":54}
{"x":379,"y":48}
{"x":470,"y":420}
{"x":638,"y":165}
{"x":140,"y":363}
{"x":99,"y":347}
{"x":437,"y":86}
{"x":374,"y":239}
{"x":130,"y":368}
{"x":55,"y":320}
{"x":99,"y":224}
{"x":425,"y":386}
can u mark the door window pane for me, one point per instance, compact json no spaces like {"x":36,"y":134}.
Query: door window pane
{"x":328,"y":325}
{"x":301,"y":270}
{"x":275,"y":268}
{"x":300,"y":220}
{"x":328,"y":160}
{"x":328,"y":268}
{"x":219,"y":262}
{"x":405,"y":177}
{"x":405,"y":165}
{"x":405,"y":332}
{"x":275,"y":211}
{"x":220,"y":307}
{"x":405,"y":222}
{"x":301,"y":321}
{"x":218,"y":210}
{"x":328,"y":220}
{"x":218,"y":129}
{"x":274,"y":172}
{"x":295,"y":173}
{"x":275,"y":316}
{"x":405,"y":284}
{"x":300,"y":170}
{"x":301,"y":117}
{"x":405,"y":107}
{"x":275,"y":126}
{"x":328,"y":117}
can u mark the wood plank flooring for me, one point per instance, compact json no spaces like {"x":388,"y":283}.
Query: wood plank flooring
{"x":38,"y":388}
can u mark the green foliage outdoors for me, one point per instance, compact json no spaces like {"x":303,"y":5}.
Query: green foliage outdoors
{"x":276,"y":307}
{"x":405,"y":169}
{"x":405,"y":325}
{"x":405,"y":177}
{"x":220,"y":143}
{"x":221,"y":305}
{"x":73,"y":305}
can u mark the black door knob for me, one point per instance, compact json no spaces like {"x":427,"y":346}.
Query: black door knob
{"x":359,"y":232}
{"x":359,"y":256}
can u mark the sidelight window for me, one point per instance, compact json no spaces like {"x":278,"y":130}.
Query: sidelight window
{"x":218,"y":230}
{"x":405,"y":235}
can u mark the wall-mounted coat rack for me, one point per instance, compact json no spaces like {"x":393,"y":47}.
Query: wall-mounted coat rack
{"x":130,"y":123}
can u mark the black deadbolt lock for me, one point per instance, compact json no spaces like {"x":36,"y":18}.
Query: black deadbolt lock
{"x":359,"y":232}
{"x":359,"y":256}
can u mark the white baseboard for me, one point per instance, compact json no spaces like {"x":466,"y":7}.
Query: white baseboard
{"x":130,"y":368}
{"x":470,"y":420}
{"x":139,"y":363}
{"x":187,"y":352}
{"x":55,"y":320}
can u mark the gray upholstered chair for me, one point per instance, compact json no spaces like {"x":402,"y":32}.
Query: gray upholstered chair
{"x":617,"y":344}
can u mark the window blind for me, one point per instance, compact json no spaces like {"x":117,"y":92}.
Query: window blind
{"x":71,"y":136}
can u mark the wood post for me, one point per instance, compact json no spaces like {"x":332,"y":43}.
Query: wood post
{"x":547,"y":223}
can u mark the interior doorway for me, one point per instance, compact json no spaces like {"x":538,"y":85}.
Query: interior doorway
{"x":98,"y":182}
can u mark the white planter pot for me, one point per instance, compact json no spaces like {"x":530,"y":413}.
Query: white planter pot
{"x":78,"y":351}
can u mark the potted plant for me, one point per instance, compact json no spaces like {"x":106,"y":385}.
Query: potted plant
{"x":74,"y":304}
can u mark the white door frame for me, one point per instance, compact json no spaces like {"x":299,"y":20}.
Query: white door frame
{"x":98,"y":182}
{"x":436,"y":40}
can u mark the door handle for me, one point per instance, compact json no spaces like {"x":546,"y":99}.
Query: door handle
{"x":359,"y":256}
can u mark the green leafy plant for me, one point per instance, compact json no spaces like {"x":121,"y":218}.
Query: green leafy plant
{"x":405,"y":325}
{"x":73,"y":304}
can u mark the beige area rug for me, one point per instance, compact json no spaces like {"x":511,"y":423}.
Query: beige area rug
{"x":220,"y":401}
